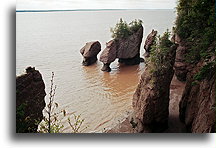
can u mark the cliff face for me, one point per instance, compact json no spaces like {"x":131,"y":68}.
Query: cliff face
{"x":181,"y":66}
{"x":30,"y":93}
{"x":151,"y":98}
{"x":197,"y":106}
{"x":195,"y":64}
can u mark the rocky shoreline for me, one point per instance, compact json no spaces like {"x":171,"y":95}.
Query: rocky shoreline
{"x":174,"y":123}
{"x":176,"y":91}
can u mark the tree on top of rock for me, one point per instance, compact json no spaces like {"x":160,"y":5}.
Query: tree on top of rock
{"x":123,"y":30}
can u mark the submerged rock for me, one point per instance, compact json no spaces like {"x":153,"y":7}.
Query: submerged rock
{"x":149,"y":41}
{"x":126,"y":49}
{"x":151,"y":98}
{"x":30,"y":93}
{"x":89,"y":52}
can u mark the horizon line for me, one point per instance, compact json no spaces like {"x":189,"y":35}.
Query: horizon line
{"x":53,"y":10}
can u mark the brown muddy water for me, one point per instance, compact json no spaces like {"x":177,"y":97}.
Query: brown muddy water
{"x":50,"y":41}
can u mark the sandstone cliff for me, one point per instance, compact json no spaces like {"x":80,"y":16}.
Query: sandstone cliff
{"x":30,"y":93}
{"x":195,"y":64}
{"x":197,"y":106}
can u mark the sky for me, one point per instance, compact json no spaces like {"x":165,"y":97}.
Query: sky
{"x":94,"y":4}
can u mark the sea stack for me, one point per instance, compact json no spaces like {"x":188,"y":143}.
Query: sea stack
{"x":127,"y":50}
{"x":89,"y":52}
{"x":149,"y":42}
{"x":151,"y":98}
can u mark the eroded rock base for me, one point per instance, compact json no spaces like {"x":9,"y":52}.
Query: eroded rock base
{"x":89,"y":61}
{"x":106,"y":68}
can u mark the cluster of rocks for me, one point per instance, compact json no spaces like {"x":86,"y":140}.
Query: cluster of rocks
{"x":30,"y":92}
{"x":151,"y":98}
{"x":127,"y":50}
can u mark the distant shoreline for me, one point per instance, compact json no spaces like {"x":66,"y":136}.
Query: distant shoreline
{"x":86,"y":10}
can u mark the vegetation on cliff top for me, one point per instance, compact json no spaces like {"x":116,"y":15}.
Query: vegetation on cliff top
{"x":195,"y":24}
{"x":123,"y":30}
{"x":160,"y":48}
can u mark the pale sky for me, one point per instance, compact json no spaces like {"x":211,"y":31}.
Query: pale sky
{"x":94,"y":4}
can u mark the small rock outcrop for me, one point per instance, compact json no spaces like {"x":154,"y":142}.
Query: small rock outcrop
{"x":89,"y":52}
{"x":126,"y":49}
{"x":30,"y":93}
{"x":149,"y":42}
{"x":197,"y":106}
{"x":151,"y":98}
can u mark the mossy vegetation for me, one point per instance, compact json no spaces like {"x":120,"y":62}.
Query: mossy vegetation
{"x":123,"y":30}
{"x":196,"y":25}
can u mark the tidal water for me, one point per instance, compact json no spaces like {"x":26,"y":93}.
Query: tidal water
{"x":50,"y":41}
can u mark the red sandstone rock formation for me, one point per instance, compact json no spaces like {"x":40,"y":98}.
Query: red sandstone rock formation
{"x":126,"y":49}
{"x":89,"y":52}
{"x":181,"y":66}
{"x":150,"y":40}
{"x":151,"y":99}
{"x":197,"y":106}
{"x":30,"y":91}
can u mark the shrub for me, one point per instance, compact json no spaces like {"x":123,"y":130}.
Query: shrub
{"x":160,"y":48}
{"x":204,"y":72}
{"x":123,"y":30}
{"x":24,"y":124}
{"x":52,"y":120}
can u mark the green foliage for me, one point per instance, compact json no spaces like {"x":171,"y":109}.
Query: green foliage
{"x":24,"y":124}
{"x":204,"y":72}
{"x":76,"y":124}
{"x":196,"y":25}
{"x":52,"y":122}
{"x":55,"y":126}
{"x":194,"y":83}
{"x":159,"y":50}
{"x":123,"y":30}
